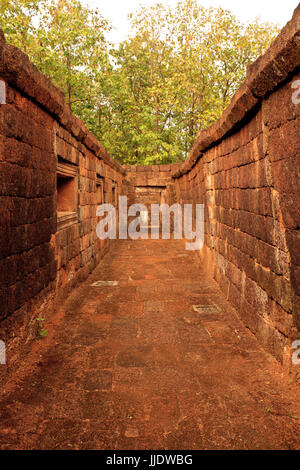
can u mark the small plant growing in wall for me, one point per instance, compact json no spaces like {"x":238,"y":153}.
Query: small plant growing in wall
{"x":41,"y":332}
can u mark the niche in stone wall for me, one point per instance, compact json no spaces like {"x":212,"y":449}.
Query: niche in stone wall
{"x":67,"y":194}
{"x":114,"y":195}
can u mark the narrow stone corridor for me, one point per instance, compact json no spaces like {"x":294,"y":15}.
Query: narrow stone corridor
{"x":156,"y":360}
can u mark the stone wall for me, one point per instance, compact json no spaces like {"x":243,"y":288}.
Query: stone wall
{"x":149,"y":183}
{"x":245,"y":170}
{"x":53,"y":174}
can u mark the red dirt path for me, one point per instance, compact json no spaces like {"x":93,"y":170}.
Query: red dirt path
{"x":134,"y":366}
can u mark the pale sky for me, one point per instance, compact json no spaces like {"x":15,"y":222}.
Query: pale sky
{"x":276,"y":11}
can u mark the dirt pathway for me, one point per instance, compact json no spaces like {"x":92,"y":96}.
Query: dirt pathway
{"x":135,"y":366}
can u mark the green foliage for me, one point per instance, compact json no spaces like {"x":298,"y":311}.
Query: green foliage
{"x":147,"y":98}
{"x":72,"y":51}
{"x":66,"y":42}
{"x":16,"y":20}
{"x":41,"y":332}
{"x":175,"y":75}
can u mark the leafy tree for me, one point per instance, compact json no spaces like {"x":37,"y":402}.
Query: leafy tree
{"x":72,"y":50}
{"x":66,"y":41}
{"x":147,"y":98}
{"x":16,"y":21}
{"x":175,"y":75}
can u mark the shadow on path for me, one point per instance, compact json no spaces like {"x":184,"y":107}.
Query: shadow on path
{"x":158,"y":361}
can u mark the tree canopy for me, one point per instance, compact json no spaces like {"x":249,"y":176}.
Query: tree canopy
{"x":147,"y":97}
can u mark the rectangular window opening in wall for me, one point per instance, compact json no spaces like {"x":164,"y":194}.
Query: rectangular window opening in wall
{"x":113,"y":197}
{"x":67,"y":194}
